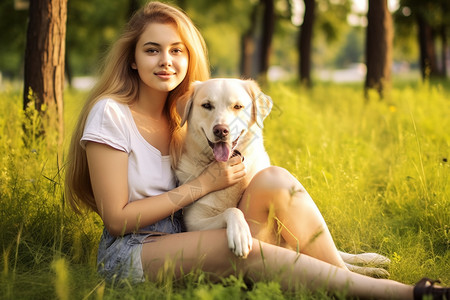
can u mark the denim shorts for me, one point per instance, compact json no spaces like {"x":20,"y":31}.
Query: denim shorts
{"x":119,"y":258}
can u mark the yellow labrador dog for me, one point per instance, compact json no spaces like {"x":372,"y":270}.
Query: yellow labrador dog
{"x":225,"y":118}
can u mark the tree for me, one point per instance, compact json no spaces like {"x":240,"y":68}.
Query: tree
{"x":44,"y":58}
{"x":268,"y":24}
{"x":326,"y":19}
{"x":379,"y":39}
{"x":248,"y":46}
{"x":256,"y":41}
{"x":428,"y":57}
{"x":432,"y":20}
{"x":305,"y":42}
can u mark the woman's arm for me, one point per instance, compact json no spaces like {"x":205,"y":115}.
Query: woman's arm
{"x":108,"y":169}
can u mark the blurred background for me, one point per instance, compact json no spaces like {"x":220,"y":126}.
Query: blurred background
{"x":250,"y":38}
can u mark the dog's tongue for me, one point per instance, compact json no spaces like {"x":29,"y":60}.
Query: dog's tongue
{"x":221,"y":151}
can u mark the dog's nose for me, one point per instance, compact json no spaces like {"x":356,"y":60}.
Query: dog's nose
{"x":221,"y":131}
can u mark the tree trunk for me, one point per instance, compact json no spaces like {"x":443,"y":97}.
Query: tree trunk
{"x":268,"y":24}
{"x":444,"y":51}
{"x":378,"y":46}
{"x":248,"y":46}
{"x":305,"y":43}
{"x":428,"y":58}
{"x":44,"y":58}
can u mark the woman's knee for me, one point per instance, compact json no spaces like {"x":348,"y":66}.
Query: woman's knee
{"x":275,"y":177}
{"x":275,"y":182}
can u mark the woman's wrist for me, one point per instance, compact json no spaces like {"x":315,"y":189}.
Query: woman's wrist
{"x":203,"y":186}
{"x":189,"y":192}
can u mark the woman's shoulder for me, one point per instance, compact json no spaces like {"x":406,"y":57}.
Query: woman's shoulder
{"x":109,"y":123}
{"x":110,"y":110}
{"x":105,"y":104}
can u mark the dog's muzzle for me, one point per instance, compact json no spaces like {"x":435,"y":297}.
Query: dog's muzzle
{"x":223,"y":150}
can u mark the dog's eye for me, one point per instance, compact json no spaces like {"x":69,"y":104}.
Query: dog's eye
{"x":238,"y":106}
{"x":207,"y":106}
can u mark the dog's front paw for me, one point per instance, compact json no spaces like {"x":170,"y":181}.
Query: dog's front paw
{"x":238,"y":233}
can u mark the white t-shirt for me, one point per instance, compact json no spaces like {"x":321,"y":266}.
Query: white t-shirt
{"x":149,"y":173}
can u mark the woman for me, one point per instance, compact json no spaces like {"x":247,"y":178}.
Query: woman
{"x":119,"y":166}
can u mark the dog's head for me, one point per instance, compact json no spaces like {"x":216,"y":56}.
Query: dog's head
{"x":222,"y":111}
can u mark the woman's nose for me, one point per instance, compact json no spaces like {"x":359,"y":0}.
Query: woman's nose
{"x":166,"y":59}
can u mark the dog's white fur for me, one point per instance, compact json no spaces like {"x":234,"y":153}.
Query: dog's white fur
{"x":239,"y":107}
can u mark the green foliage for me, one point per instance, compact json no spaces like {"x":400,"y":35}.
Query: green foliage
{"x":13,"y":28}
{"x":92,"y":25}
{"x":436,"y":13}
{"x":378,"y":172}
{"x":221,"y":24}
{"x":352,"y":50}
{"x":332,"y":17}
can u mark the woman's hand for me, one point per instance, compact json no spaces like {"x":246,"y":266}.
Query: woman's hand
{"x":220,"y":175}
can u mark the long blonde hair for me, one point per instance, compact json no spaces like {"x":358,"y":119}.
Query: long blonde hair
{"x":119,"y":81}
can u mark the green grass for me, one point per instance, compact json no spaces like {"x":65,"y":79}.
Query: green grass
{"x":378,"y":171}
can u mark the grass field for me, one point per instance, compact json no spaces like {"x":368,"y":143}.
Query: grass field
{"x":378,"y":171}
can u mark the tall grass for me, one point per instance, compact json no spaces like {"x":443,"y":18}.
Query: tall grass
{"x":378,"y":171}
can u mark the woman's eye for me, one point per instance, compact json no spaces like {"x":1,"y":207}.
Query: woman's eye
{"x":151,"y":51}
{"x":207,"y":106}
{"x":238,"y":106}
{"x":177,"y":51}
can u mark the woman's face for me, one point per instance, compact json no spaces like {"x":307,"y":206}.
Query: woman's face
{"x":161,"y":58}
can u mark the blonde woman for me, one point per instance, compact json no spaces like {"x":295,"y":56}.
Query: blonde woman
{"x":119,"y":166}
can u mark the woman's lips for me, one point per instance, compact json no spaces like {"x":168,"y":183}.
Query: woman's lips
{"x":165,"y":75}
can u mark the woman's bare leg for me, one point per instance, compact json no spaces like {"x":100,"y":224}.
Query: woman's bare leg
{"x":205,"y":250}
{"x":208,"y":250}
{"x":279,"y":210}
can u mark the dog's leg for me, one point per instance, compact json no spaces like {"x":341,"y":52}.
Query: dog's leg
{"x":238,"y":232}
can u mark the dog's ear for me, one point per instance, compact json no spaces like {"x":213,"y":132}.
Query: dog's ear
{"x":262,"y":104}
{"x":184,"y":103}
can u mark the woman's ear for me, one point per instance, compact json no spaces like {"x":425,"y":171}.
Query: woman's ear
{"x":134,"y":66}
